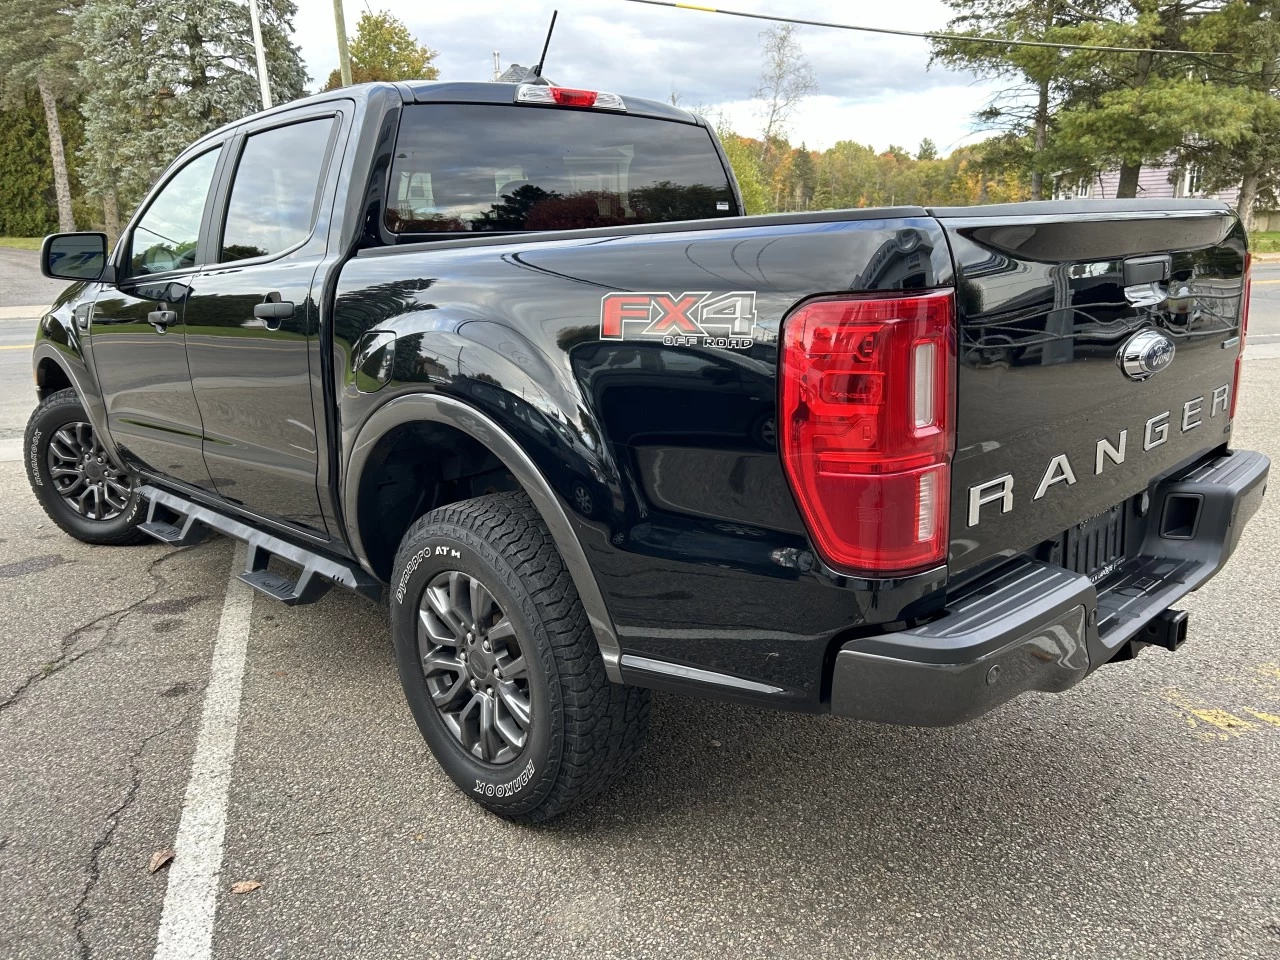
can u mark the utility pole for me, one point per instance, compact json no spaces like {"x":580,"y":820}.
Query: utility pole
{"x":497,"y":64}
{"x":344,"y":59}
{"x":263,"y":82}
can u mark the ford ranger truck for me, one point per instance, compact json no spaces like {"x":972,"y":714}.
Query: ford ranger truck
{"x":511,"y":359}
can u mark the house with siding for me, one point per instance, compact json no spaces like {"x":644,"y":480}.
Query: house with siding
{"x":1164,"y":182}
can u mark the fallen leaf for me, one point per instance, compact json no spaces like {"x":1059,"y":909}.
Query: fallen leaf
{"x":159,"y":859}
{"x":245,"y":886}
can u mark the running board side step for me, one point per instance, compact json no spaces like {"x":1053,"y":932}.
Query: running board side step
{"x":179,"y":522}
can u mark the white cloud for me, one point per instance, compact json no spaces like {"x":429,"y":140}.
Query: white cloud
{"x":874,"y":89}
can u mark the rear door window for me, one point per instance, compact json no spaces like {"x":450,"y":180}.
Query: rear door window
{"x":274,"y":194}
{"x":481,"y":167}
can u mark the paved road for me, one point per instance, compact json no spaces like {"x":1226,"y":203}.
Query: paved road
{"x":20,"y":281}
{"x":1137,"y":815}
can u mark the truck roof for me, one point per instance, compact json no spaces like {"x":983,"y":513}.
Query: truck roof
{"x":435,"y":91}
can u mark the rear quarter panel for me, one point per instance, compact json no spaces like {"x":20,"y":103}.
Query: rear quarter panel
{"x":663,"y":455}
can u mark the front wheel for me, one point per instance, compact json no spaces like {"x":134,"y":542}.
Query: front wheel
{"x":80,"y":487}
{"x":500,"y":665}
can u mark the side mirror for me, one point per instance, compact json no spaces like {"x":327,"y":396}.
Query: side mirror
{"x":74,"y":256}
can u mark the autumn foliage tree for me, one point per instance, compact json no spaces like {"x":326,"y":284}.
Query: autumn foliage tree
{"x":384,"y":49}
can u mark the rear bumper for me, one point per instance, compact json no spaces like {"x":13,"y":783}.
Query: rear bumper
{"x":1041,"y":627}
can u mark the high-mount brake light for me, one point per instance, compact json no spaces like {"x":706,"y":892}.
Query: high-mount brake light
{"x":568,"y":97}
{"x":1244,"y":329}
{"x":868,"y":427}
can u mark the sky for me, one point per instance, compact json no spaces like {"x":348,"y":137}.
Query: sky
{"x":877,"y":90}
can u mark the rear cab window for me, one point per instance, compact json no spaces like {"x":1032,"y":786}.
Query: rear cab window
{"x":462,"y":168}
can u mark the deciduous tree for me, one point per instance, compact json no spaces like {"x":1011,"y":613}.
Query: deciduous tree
{"x":785,"y":79}
{"x":384,"y":49}
{"x":37,"y":53}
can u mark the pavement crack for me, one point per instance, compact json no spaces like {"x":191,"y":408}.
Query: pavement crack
{"x":67,"y":644}
{"x":82,"y":913}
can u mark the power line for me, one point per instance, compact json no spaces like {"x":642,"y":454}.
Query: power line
{"x":958,"y":37}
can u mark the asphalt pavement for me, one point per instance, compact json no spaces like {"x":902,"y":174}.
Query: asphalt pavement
{"x":1136,"y":815}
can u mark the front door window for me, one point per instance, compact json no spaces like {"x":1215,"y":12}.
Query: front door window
{"x":167,"y":235}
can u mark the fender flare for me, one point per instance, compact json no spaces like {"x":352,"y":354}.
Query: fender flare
{"x":76,"y":370}
{"x":434,"y":408}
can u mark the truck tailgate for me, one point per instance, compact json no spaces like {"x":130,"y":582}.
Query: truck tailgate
{"x":1052,"y":432}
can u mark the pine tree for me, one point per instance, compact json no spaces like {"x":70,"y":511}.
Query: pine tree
{"x":1134,"y":109}
{"x":1251,"y":32}
{"x":1039,"y":78}
{"x":158,"y":75}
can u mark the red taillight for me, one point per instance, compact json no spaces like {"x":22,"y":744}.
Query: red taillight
{"x":1244,"y":329}
{"x":867,"y":427}
{"x":540,"y":93}
{"x":567,"y":97}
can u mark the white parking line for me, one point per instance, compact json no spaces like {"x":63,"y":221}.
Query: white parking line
{"x":186,"y":923}
{"x":10,"y":450}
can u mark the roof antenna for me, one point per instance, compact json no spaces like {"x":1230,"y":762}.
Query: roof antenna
{"x":535,"y":74}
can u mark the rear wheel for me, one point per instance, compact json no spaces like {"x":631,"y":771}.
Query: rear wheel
{"x":500,"y":665}
{"x":82,"y":489}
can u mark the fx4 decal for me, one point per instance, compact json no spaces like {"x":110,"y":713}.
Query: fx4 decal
{"x":696,"y":319}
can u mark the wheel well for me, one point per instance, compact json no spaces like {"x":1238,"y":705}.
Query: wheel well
{"x":414,"y":469}
{"x":50,"y":378}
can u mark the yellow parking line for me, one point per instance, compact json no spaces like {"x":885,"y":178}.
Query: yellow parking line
{"x":17,"y":346}
{"x":1257,"y":282}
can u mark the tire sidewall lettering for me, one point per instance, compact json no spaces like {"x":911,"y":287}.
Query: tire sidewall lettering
{"x":439,"y":550}
{"x":508,"y":789}
{"x":37,"y":475}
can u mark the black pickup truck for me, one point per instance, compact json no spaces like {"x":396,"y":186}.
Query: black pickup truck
{"x":512,"y":358}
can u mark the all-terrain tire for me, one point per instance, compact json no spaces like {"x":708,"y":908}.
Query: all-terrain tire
{"x":55,"y":412}
{"x":583,"y":729}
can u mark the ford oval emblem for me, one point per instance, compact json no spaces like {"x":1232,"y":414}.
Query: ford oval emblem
{"x":1145,"y":354}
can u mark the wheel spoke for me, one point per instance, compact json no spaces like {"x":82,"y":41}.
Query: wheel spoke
{"x":481,"y":602}
{"x":457,"y":592}
{"x":443,"y":696}
{"x":490,"y":740}
{"x":438,"y":598}
{"x":440,"y":661}
{"x":63,"y":445}
{"x":436,"y":628}
{"x":469,"y":713}
{"x":510,"y":732}
{"x":120,"y":490}
{"x":515,"y":703}
{"x":502,"y":630}
{"x":514,"y":669}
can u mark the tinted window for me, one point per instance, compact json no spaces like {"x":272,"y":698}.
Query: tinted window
{"x":274,"y":194}
{"x":479,"y":167}
{"x":166,"y":236}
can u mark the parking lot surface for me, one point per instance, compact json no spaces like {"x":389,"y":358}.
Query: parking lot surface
{"x":1136,"y":815}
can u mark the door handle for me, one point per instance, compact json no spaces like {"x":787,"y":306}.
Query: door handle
{"x":160,"y":319}
{"x":273,"y":310}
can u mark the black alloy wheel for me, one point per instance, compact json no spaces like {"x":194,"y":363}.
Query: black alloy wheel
{"x":85,"y":476}
{"x":473,"y":667}
{"x":500,"y":665}
{"x":82,"y":489}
